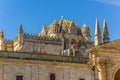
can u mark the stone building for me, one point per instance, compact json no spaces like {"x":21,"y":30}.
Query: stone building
{"x":61,"y":51}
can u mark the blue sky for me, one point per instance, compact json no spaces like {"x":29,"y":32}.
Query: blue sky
{"x":33,"y":13}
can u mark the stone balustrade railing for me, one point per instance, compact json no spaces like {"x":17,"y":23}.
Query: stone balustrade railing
{"x":42,"y":57}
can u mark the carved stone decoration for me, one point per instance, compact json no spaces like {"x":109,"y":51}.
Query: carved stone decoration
{"x":117,"y":75}
{"x":104,"y":66}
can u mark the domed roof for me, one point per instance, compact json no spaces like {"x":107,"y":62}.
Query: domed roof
{"x":64,"y":25}
{"x":85,"y":28}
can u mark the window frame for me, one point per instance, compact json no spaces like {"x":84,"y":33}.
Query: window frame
{"x":52,"y":74}
{"x":22,"y":78}
{"x":82,"y":79}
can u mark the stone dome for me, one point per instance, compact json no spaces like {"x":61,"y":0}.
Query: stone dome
{"x":85,"y":28}
{"x":85,"y":31}
{"x":63,"y":25}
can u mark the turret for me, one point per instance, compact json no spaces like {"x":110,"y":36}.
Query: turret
{"x":86,"y":33}
{"x":54,"y":30}
{"x":2,"y":44}
{"x":1,"y":35}
{"x":105,"y":33}
{"x":97,"y":39}
{"x":20,"y":35}
{"x":43,"y":33}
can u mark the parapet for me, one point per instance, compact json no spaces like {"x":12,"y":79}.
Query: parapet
{"x":36,"y":37}
{"x":7,"y":41}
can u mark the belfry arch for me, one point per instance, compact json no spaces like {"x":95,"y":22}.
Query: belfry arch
{"x":117,"y":75}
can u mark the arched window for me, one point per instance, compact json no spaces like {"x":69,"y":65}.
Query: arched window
{"x":64,"y":45}
{"x":52,"y":76}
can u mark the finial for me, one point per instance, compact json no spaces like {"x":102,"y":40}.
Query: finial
{"x":84,"y":25}
{"x":62,"y":17}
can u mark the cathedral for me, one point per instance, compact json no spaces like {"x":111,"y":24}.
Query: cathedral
{"x":61,"y":51}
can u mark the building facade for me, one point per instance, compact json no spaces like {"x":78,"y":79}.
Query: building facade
{"x":61,"y":51}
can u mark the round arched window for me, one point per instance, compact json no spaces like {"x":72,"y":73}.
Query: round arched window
{"x":52,"y":76}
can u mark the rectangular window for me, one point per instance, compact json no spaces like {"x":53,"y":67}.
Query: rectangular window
{"x":82,"y":79}
{"x":19,"y":77}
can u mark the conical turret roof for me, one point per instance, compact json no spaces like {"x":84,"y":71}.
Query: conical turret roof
{"x":105,"y":29}
{"x":20,"y":29}
{"x":97,"y":28}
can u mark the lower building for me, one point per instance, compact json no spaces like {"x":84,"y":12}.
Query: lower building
{"x":43,"y":69}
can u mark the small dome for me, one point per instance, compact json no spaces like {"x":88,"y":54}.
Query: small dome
{"x":85,"y":28}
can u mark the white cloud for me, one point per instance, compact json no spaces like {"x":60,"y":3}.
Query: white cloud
{"x":112,"y":2}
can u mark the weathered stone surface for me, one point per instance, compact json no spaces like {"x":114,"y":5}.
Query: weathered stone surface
{"x":40,"y":70}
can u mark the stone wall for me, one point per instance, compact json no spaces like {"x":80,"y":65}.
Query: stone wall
{"x":41,"y":70}
{"x":46,"y":47}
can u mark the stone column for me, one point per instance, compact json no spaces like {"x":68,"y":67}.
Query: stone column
{"x":104,"y":69}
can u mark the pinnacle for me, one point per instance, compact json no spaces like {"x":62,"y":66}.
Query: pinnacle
{"x":105,"y":30}
{"x":20,"y":29}
{"x":97,"y":28}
